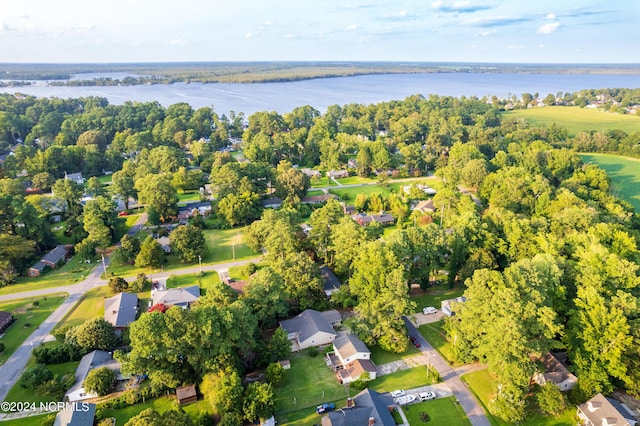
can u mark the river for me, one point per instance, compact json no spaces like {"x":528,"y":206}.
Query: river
{"x":323,"y":92}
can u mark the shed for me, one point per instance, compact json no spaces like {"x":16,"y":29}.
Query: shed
{"x":285,"y":363}
{"x":5,"y":320}
{"x":186,"y":394}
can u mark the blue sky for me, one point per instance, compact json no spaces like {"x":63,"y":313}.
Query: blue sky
{"x":558,"y":31}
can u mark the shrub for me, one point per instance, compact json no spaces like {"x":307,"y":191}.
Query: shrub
{"x":312,"y":352}
{"x":1,"y":347}
{"x":57,"y":354}
{"x":275,"y":373}
{"x":35,"y":376}
{"x":100,"y":380}
{"x":118,"y":285}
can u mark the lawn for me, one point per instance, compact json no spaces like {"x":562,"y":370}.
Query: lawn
{"x":28,"y":421}
{"x":90,"y":305}
{"x":17,"y":393}
{"x":207,"y":280}
{"x":435,"y":336}
{"x":321,"y":182}
{"x":350,"y":194}
{"x":308,"y":383}
{"x":188,"y":197}
{"x":352,"y":180}
{"x":72,"y":272}
{"x":577,"y":119}
{"x":380,"y":356}
{"x":58,"y":232}
{"x":403,"y":379}
{"x":122,"y":415}
{"x":25,"y":313}
{"x":225,"y":245}
{"x":441,"y":411}
{"x":314,"y":193}
{"x":624,"y":173}
{"x":435,"y":183}
{"x":481,"y":384}
{"x":435,"y":296}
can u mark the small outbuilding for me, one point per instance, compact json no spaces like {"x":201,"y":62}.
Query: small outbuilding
{"x":186,"y":394}
{"x":6,"y":318}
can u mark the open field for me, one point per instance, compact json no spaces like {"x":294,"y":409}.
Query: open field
{"x":624,"y":173}
{"x":577,"y":119}
{"x":349,"y":194}
{"x":321,"y":182}
{"x":380,"y":356}
{"x":25,"y":312}
{"x":162,"y":404}
{"x":351,"y":180}
{"x":90,"y":305}
{"x":481,"y":384}
{"x":188,"y":197}
{"x":441,"y":411}
{"x":403,"y":379}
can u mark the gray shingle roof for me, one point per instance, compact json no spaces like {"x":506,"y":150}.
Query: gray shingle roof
{"x":331,"y":282}
{"x":349,"y":344}
{"x":90,"y":361}
{"x":55,"y":255}
{"x":121,"y":309}
{"x":307,"y":324}
{"x":368,"y":403}
{"x":80,"y":415}
{"x":177,"y":296}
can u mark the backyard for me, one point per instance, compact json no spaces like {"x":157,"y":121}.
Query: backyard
{"x":28,"y":314}
{"x":441,"y":411}
{"x":482,"y":385}
{"x":380,"y":356}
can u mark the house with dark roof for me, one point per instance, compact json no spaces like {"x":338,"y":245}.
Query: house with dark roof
{"x":271,"y":203}
{"x":351,"y":358}
{"x":331,"y":283}
{"x":316,"y":199}
{"x":52,"y":259}
{"x":425,"y":206}
{"x":368,"y":408}
{"x":90,"y":361}
{"x":602,"y":411}
{"x":6,"y":319}
{"x":337,"y":174}
{"x":76,"y":177}
{"x":182,"y":297}
{"x":383,"y":218}
{"x":121,"y":310}
{"x":82,"y":414}
{"x":554,"y":373}
{"x":311,"y":328}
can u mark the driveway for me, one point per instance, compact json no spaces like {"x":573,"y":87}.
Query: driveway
{"x":471,"y":407}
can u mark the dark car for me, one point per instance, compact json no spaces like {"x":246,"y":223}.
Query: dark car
{"x":414,"y":340}
{"x":325,"y":408}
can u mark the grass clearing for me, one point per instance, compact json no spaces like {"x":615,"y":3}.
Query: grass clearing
{"x":353,"y":180}
{"x":380,"y":356}
{"x":403,"y":379}
{"x":122,"y":415}
{"x":577,"y":119}
{"x":72,"y":272}
{"x":28,"y":421}
{"x":624,"y":173}
{"x":189,"y":197}
{"x":434,"y":334}
{"x":25,"y":312}
{"x":481,"y":384}
{"x":435,"y":296}
{"x":321,"y":182}
{"x":90,"y":305}
{"x":350,"y":194}
{"x":308,"y":383}
{"x":441,"y":411}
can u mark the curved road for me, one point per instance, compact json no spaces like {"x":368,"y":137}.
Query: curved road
{"x":468,"y":402}
{"x":12,"y":369}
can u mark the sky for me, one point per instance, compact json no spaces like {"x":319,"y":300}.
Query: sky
{"x":508,"y":31}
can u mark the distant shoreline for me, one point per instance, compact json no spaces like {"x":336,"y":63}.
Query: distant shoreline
{"x":16,"y":74}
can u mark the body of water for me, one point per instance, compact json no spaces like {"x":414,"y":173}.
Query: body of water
{"x":323,"y":92}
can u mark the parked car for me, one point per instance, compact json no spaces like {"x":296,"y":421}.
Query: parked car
{"x":325,"y":408}
{"x":414,"y":341}
{"x":123,"y":213}
{"x":397,"y":393}
{"x":425,"y":396}
{"x":429,"y":310}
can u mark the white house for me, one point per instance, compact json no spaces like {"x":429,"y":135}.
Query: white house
{"x":90,"y":361}
{"x":76,"y":177}
{"x":448,"y":306}
{"x":311,"y":328}
{"x":182,"y":297}
{"x":601,"y":411}
{"x":351,"y":358}
{"x":555,"y":373}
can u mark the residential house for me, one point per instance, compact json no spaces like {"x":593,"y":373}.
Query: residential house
{"x":351,"y":163}
{"x":383,"y":218}
{"x":6,"y":319}
{"x":82,"y":414}
{"x":186,"y":394}
{"x":316,"y":199}
{"x":331,"y":282}
{"x":182,"y":297}
{"x":311,"y":328}
{"x":368,"y":408}
{"x":165,"y":243}
{"x":76,"y":177}
{"x":305,"y":228}
{"x":348,"y":210}
{"x":351,"y":358}
{"x":271,"y":203}
{"x":52,"y":259}
{"x":448,"y":305}
{"x":601,"y":411}
{"x":313,"y":174}
{"x":185,"y":211}
{"x":121,"y":310}
{"x":362,"y":219}
{"x":556,"y":373}
{"x":90,"y":361}
{"x":337,"y":174}
{"x":425,"y":206}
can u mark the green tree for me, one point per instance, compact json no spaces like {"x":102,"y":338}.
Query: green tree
{"x":157,"y":193}
{"x":100,"y":380}
{"x":95,"y":333}
{"x":239,"y":209}
{"x":118,"y":285}
{"x":100,"y":221}
{"x":123,"y":186}
{"x":151,"y":254}
{"x":34,"y":376}
{"x":151,"y":417}
{"x":129,"y":247}
{"x":86,"y":249}
{"x":550,"y":400}
{"x":188,"y":243}
{"x":70,"y":192}
{"x":265,"y":294}
{"x":223,"y":390}
{"x":275,"y":373}
{"x":291,"y":184}
{"x":43,"y":180}
{"x":279,"y":345}
{"x":259,"y":402}
{"x":302,"y":280}
{"x":321,"y":221}
{"x":95,"y":187}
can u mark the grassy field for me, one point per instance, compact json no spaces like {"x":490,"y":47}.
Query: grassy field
{"x":350,"y":194}
{"x":624,"y":173}
{"x":403,"y":379}
{"x":577,"y":119}
{"x":17,"y":393}
{"x":441,"y":411}
{"x":28,"y":421}
{"x":189,"y":196}
{"x":27,"y":318}
{"x":122,"y":415}
{"x":351,"y":180}
{"x":91,"y":305}
{"x":321,"y":182}
{"x":435,"y":336}
{"x":380,"y":356}
{"x":482,"y":385}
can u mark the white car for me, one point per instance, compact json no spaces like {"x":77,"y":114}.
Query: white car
{"x":397,"y":393}
{"x":425,"y":396}
{"x":429,"y":310}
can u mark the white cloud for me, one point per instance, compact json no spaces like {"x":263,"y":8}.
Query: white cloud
{"x":436,"y":4}
{"x":487,"y":33}
{"x":550,"y":16}
{"x":352,"y":27}
{"x":249,"y":35}
{"x":548,"y":28}
{"x":515,"y":47}
{"x":178,"y":42}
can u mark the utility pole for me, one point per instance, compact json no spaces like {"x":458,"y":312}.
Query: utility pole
{"x":104,"y":268}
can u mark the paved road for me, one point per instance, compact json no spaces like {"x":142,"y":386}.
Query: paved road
{"x":471,"y":407}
